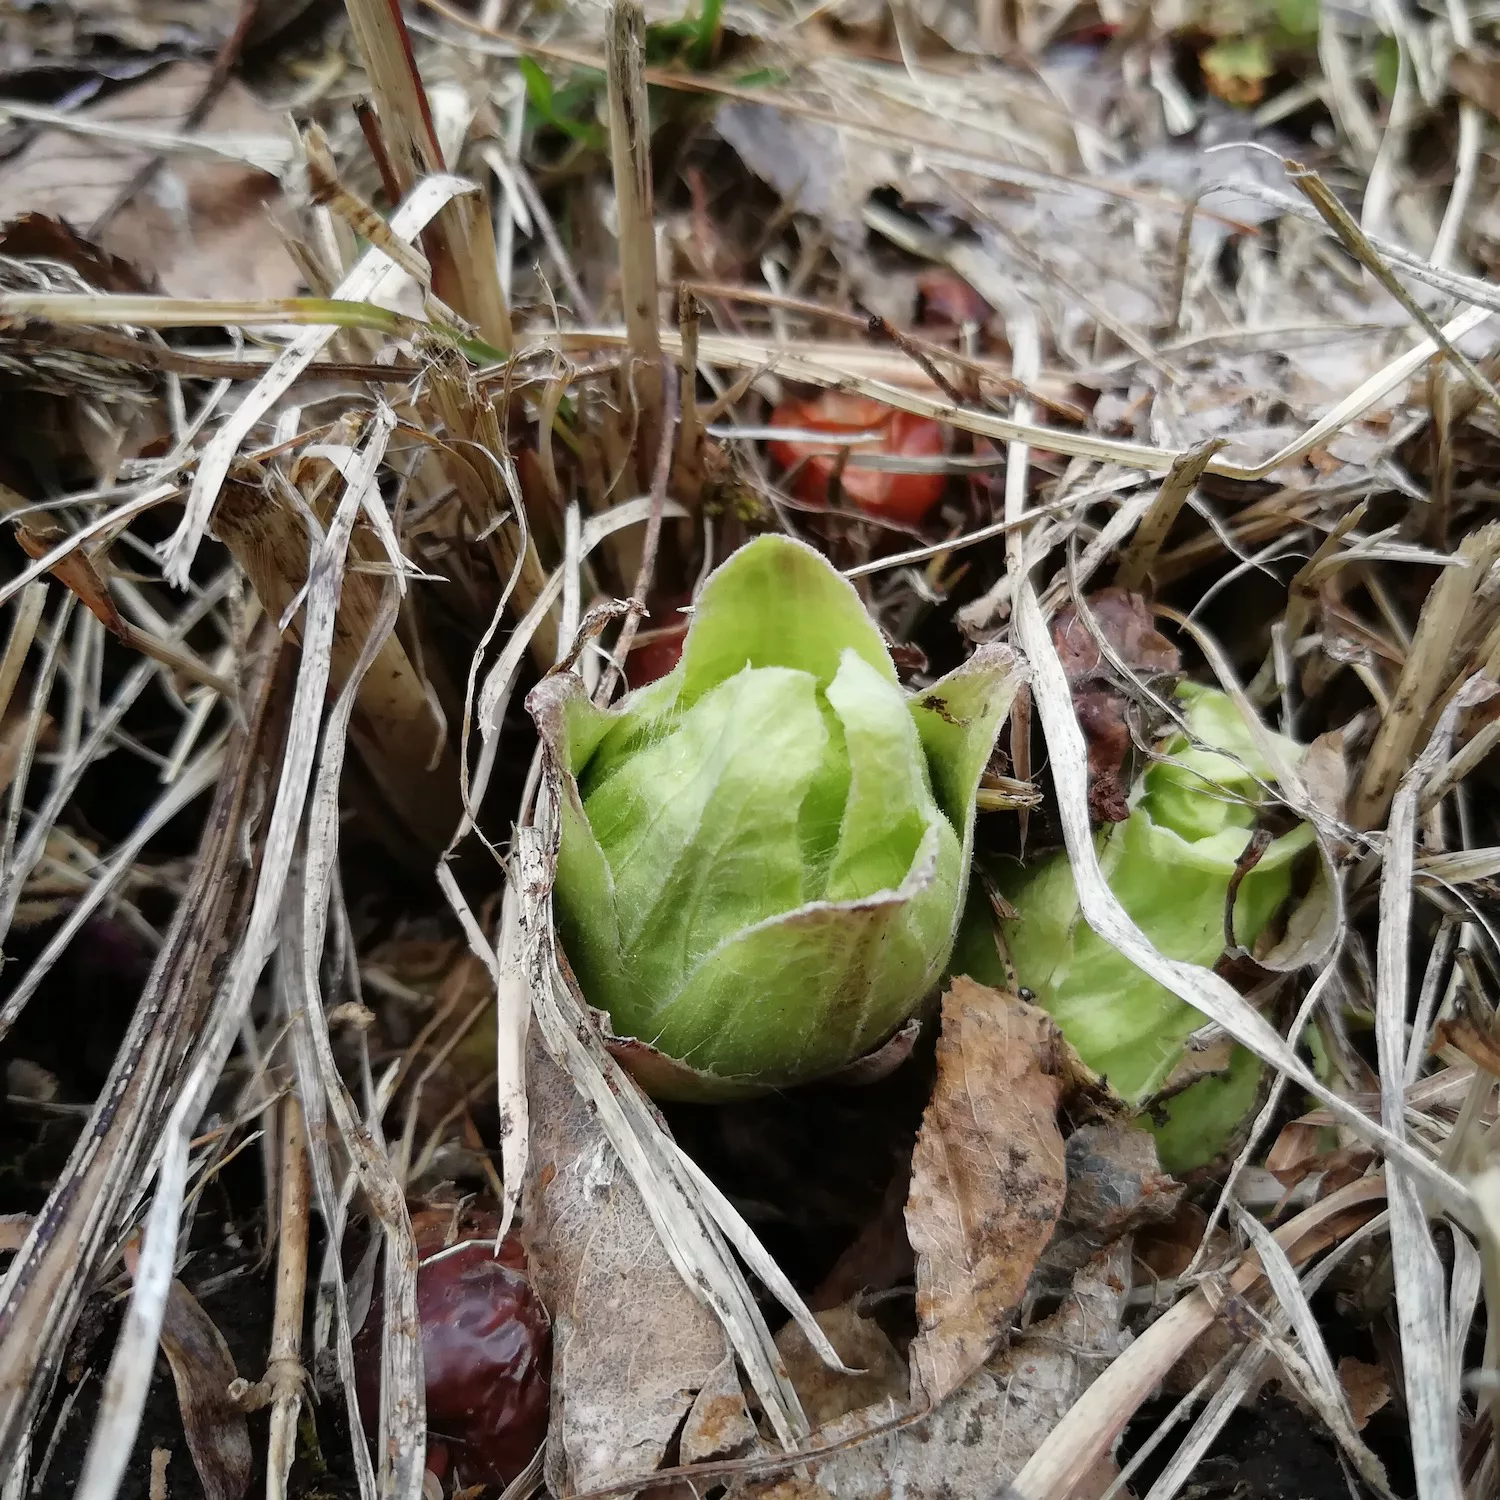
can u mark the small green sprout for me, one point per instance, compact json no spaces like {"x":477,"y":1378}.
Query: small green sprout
{"x":764,"y":854}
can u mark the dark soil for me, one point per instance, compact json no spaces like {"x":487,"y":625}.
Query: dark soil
{"x":236,"y":1287}
{"x":808,"y":1205}
{"x":1269,"y":1451}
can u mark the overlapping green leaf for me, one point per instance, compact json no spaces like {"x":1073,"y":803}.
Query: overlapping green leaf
{"x":764,"y":854}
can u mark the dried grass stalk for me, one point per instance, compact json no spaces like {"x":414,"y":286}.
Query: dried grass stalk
{"x":61,"y":1259}
{"x":476,"y":461}
{"x":460,"y":242}
{"x":1421,"y":1306}
{"x":1427,"y":669}
{"x":129,"y":1373}
{"x":23,"y":630}
{"x":1135,"y":567}
{"x":359,"y":290}
{"x":67,"y":774}
{"x":630,"y":157}
{"x":1090,"y":1428}
{"x":284,"y":1373}
{"x":79,"y":572}
{"x":394,"y":729}
{"x":305,"y":923}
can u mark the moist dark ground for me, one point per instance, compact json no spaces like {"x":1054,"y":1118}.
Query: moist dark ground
{"x":1269,"y":1450}
{"x":235,"y":1284}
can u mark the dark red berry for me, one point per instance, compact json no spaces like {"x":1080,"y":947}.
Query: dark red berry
{"x":486,"y":1350}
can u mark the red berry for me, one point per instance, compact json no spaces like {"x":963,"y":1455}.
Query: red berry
{"x":878,"y":492}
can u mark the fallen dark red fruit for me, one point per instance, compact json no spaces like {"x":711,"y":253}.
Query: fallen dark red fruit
{"x":877,"y":492}
{"x":487,"y":1352}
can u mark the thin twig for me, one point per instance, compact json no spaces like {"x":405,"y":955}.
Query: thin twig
{"x":661,"y":475}
{"x":630,"y":157}
{"x":1339,"y":219}
{"x":284,"y":1372}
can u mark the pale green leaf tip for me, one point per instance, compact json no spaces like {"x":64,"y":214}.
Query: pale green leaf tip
{"x":777,"y":602}
{"x":1215,"y":783}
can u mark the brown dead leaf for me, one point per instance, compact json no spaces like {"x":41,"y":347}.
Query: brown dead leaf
{"x":1211,"y":1060}
{"x":1461,"y":1032}
{"x":1167,"y":1250}
{"x":631,"y":1345}
{"x":1366,"y":1387}
{"x":1125,"y":621}
{"x":1475,"y":74}
{"x":202,"y":228}
{"x":1327,"y":1170}
{"x":1295,"y":1149}
{"x":13,"y":1230}
{"x":862,"y":1344}
{"x":982,"y":1435}
{"x":790,"y":1488}
{"x":988,"y":1179}
{"x":878,"y":1257}
{"x":719,"y":1425}
{"x":1115,"y":1186}
{"x":76,"y":572}
{"x":1101,"y":717}
{"x":35,"y":236}
{"x":218,"y":1437}
{"x":109,"y":38}
{"x":15,"y":729}
{"x":1325,"y":773}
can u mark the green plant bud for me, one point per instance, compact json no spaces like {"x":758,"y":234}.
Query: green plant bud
{"x":764,"y":854}
{"x":1170,"y":864}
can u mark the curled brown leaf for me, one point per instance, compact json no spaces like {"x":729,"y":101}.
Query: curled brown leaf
{"x":863,"y":1345}
{"x":203,"y":1371}
{"x":632,"y":1347}
{"x":988,"y":1179}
